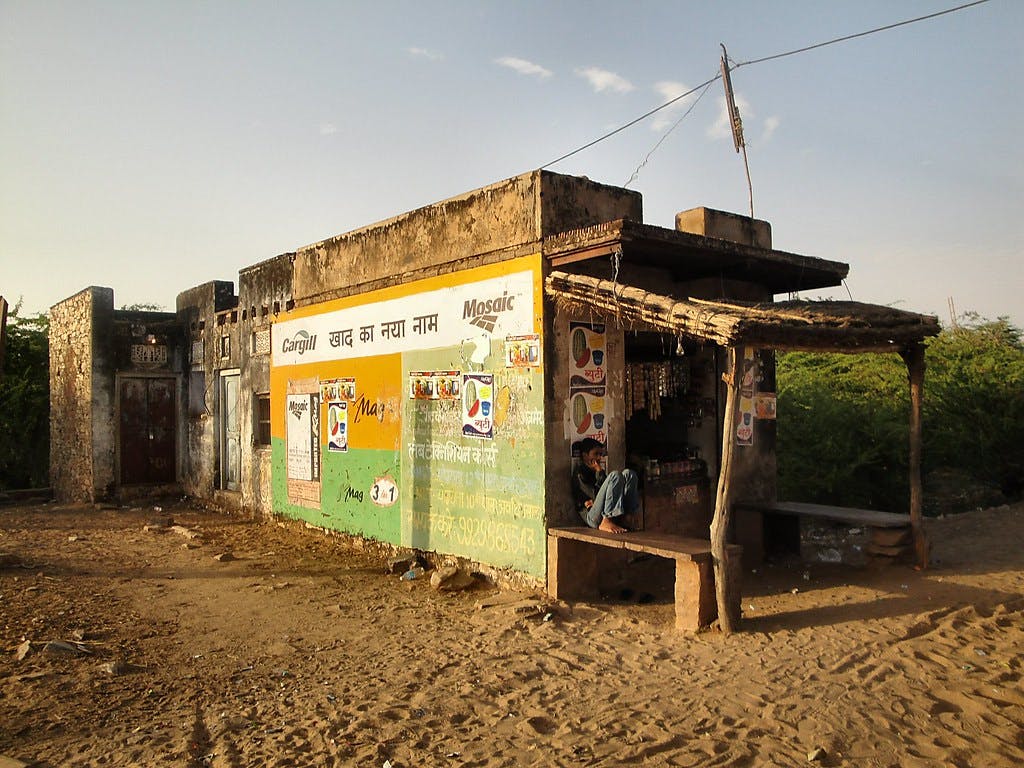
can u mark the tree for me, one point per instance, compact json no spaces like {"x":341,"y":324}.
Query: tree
{"x":843,"y":421}
{"x":25,"y":403}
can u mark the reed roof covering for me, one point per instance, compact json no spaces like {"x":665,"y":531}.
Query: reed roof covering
{"x":838,"y":326}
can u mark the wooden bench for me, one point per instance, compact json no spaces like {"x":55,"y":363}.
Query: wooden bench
{"x":889,"y":533}
{"x":573,"y":568}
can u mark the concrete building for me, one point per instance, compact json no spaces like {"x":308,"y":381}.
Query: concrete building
{"x":422,"y":381}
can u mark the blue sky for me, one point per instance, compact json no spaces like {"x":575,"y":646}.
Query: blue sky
{"x":152,"y":146}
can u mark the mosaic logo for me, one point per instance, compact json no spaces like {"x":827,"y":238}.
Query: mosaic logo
{"x":298,"y":407}
{"x":300,"y":343}
{"x":483,"y":313}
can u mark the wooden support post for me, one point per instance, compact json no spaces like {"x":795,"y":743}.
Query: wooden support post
{"x":913,"y":356}
{"x":725,"y":583}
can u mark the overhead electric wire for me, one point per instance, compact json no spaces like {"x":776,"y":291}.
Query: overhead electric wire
{"x":636,"y":172}
{"x":858,"y":34}
{"x":806,"y":48}
{"x":631,"y":123}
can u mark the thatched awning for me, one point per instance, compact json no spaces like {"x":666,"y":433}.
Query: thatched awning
{"x":840,"y":326}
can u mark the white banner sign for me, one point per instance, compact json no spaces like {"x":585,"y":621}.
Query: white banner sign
{"x":501,"y":306}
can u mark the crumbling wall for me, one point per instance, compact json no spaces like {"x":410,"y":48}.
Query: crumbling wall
{"x":264,"y":292}
{"x":201,"y":313}
{"x":494,"y":223}
{"x":81,"y":396}
{"x":572,"y":202}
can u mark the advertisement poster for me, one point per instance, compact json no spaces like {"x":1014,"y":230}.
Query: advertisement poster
{"x":588,"y":414}
{"x":498,"y":307}
{"x":435,"y":385}
{"x":478,"y":405}
{"x":748,"y":387}
{"x":522,"y":351}
{"x":764,"y":405}
{"x":303,"y":437}
{"x":347,"y":389}
{"x":337,"y":426}
{"x":587,"y":349}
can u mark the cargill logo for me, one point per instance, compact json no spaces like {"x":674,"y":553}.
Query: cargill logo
{"x":483,"y":313}
{"x":299,"y":343}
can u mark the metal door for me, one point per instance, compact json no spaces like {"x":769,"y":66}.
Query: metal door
{"x":148,"y":430}
{"x":230,"y":433}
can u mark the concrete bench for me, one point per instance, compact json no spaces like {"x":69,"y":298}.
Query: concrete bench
{"x":573,"y":568}
{"x":890,"y":534}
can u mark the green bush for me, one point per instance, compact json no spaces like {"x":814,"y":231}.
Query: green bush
{"x":843,"y":423}
{"x":25,"y":404}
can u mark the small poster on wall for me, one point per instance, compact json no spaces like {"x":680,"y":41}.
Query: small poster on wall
{"x":337,"y":426}
{"x":303,"y":437}
{"x":522,"y":351}
{"x":421,"y":385}
{"x":478,"y":405}
{"x":764,"y":405}
{"x":435,"y":385}
{"x":347,"y":388}
{"x":587,"y":350}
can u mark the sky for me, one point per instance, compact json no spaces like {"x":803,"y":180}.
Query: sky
{"x":154,"y":146}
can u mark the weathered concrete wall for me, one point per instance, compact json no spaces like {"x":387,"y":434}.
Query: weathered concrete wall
{"x":560,"y":431}
{"x":725,"y":226}
{"x":90,"y":347}
{"x":571,"y":202}
{"x":497,"y":217}
{"x":72,"y":406}
{"x":497,"y":222}
{"x":264,"y":292}
{"x":205,"y":314}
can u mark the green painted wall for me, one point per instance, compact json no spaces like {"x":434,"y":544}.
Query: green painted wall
{"x":478,"y":498}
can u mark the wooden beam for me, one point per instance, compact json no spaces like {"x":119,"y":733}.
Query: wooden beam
{"x":914,"y":358}
{"x":728,"y":614}
{"x":585,"y":254}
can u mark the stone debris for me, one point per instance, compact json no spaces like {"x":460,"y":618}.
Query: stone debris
{"x":188,"y":533}
{"x":23,"y":650}
{"x":119,"y":667}
{"x":816,"y":755}
{"x":60,"y":647}
{"x":450,"y":579}
{"x":401,"y":564}
{"x":11,"y":762}
{"x":224,"y":557}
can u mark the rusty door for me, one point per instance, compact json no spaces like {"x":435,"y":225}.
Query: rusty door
{"x":148,"y":430}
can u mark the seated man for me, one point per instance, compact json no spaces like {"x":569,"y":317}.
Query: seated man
{"x":603,"y":498}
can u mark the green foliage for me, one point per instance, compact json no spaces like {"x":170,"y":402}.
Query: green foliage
{"x":843,"y":422}
{"x":25,"y":404}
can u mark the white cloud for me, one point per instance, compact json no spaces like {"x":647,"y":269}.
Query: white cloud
{"x":603,"y":80}
{"x":426,"y":54}
{"x":668,"y":90}
{"x":771,"y":124}
{"x":326,"y":129}
{"x":524,"y":67}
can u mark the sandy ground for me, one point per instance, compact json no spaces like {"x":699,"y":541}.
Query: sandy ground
{"x":301,"y":651}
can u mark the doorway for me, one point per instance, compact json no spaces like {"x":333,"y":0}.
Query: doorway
{"x":230,"y":432}
{"x":148,"y":430}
